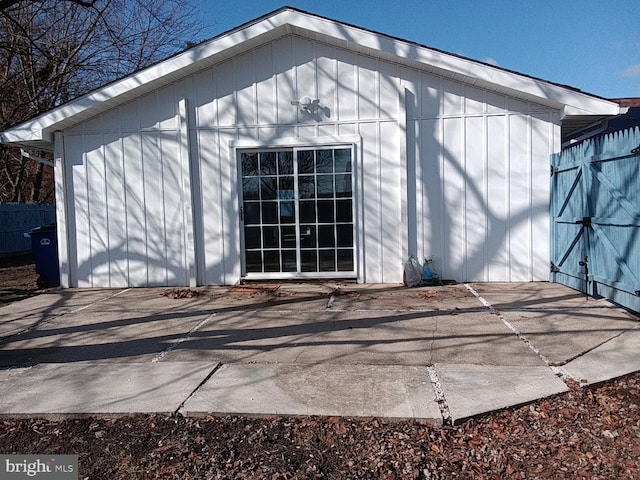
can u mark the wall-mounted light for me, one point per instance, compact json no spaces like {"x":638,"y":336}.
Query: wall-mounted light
{"x":307,"y":104}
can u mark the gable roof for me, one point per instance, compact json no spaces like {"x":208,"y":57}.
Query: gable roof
{"x":574,"y":105}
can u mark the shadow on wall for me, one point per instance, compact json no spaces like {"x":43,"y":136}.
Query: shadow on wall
{"x":126,"y":221}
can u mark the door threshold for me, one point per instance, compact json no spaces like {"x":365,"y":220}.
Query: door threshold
{"x":272,"y":281}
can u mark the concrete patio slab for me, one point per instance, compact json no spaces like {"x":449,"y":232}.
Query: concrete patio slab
{"x":96,"y":388}
{"x":98,"y":336}
{"x":351,"y":341}
{"x":287,"y":297}
{"x":559,"y":321}
{"x":614,"y":358}
{"x":253,"y":336}
{"x":327,"y":390}
{"x":400,"y":298}
{"x":471,"y":390}
{"x":150,"y":301}
{"x":529,"y":295}
{"x":479,"y":338}
{"x":375,"y":337}
{"x":25,"y":314}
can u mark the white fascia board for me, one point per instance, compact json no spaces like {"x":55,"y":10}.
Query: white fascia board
{"x":572,"y":109}
{"x":27,"y":133}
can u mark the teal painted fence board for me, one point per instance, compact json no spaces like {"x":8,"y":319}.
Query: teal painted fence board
{"x":18,"y":218}
{"x":595,"y":207}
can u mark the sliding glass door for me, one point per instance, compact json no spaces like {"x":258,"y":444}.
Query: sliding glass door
{"x":297,"y":212}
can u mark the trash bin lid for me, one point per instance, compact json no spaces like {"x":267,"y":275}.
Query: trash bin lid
{"x":51,"y":226}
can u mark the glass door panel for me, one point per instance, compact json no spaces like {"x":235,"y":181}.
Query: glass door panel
{"x":297,"y":210}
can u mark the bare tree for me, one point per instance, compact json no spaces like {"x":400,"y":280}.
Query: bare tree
{"x":53,"y":51}
{"x":4,"y":4}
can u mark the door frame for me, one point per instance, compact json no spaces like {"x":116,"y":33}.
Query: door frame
{"x":353,"y":142}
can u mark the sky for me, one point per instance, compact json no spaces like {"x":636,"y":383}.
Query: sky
{"x":593,"y":45}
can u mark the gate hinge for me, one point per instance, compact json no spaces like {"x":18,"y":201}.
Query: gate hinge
{"x":554,"y":170}
{"x":585,"y":222}
{"x":635,"y":150}
{"x":554,"y":268}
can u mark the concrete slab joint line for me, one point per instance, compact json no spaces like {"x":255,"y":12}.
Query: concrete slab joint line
{"x":595,"y":347}
{"x":198,"y":387}
{"x":186,"y":337}
{"x":79,"y":309}
{"x":559,"y":371}
{"x":440,"y":398}
{"x":433,"y":340}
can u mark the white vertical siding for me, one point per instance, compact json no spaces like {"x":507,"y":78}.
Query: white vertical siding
{"x":127,"y":183}
{"x":372,"y":241}
{"x":326,"y":74}
{"x":266,"y":104}
{"x":389,"y":208}
{"x":98,"y":262}
{"x":346,"y":86}
{"x":116,"y":210}
{"x":475,"y":214}
{"x":474,"y":197}
{"x":225,"y":93}
{"x":452,"y":173}
{"x":136,"y":224}
{"x":368,"y":89}
{"x":497,"y":251}
{"x":305,"y":73}
{"x":210,"y":188}
{"x":519,"y":198}
{"x":204,"y":104}
{"x":431,"y":230}
{"x":74,"y":153}
{"x":484,"y":183}
{"x":245,"y":88}
{"x":285,"y":80}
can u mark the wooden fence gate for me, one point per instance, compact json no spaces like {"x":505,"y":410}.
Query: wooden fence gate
{"x":595,"y":211}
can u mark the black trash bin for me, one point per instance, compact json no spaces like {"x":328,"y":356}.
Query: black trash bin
{"x":44,"y":244}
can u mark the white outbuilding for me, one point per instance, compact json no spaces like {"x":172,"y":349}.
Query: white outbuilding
{"x":296,"y":146}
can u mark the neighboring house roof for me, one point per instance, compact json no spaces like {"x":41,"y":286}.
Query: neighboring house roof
{"x":627,"y":102}
{"x":575,"y":106}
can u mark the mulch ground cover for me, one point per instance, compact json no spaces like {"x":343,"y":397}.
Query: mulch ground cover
{"x":587,"y":433}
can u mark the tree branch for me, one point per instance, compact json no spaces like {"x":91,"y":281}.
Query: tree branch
{"x":4,"y":4}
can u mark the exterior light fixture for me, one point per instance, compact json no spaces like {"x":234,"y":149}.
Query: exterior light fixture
{"x":307,"y":104}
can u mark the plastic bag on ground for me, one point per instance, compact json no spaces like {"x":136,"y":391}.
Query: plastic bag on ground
{"x":412,"y":272}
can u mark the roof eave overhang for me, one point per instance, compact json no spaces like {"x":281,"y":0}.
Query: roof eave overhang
{"x":567,"y":101}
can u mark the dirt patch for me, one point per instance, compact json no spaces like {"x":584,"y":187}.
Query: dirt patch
{"x":17,"y":278}
{"x":586,"y":434}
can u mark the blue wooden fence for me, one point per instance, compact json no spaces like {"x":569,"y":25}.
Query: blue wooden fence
{"x":18,"y":218}
{"x":595,"y":209}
